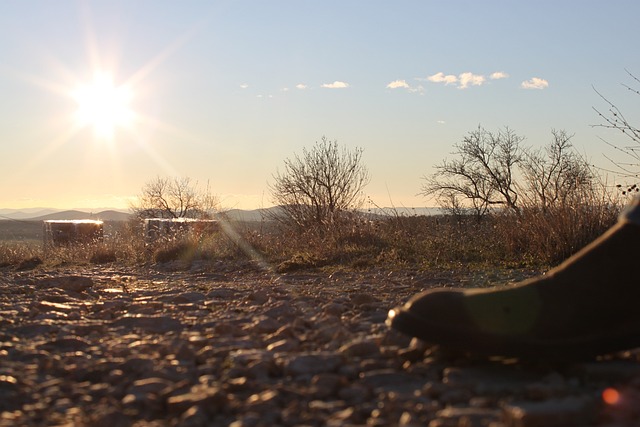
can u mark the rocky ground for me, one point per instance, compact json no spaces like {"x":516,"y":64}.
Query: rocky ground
{"x":238,"y":346}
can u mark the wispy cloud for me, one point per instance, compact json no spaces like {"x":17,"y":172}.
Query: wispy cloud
{"x":244,"y":86}
{"x":440,"y":77}
{"x":336,"y":85}
{"x":396,"y":84}
{"x":301,"y":86}
{"x":535,"y":83}
{"x":498,"y":75}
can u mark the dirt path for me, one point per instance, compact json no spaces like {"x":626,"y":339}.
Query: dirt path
{"x":236,"y":346}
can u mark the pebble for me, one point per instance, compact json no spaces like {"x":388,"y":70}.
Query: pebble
{"x":311,"y":363}
{"x":106,"y":346}
{"x":574,"y":410}
{"x":151,"y":324}
{"x":66,"y":283}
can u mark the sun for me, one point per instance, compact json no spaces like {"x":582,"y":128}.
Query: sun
{"x":103,"y":106}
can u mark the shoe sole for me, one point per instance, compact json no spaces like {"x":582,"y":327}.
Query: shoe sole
{"x":489,"y":346}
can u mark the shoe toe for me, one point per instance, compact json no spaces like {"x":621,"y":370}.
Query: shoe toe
{"x":436,"y":316}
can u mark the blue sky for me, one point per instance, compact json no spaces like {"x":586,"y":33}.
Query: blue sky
{"x":225,"y":91}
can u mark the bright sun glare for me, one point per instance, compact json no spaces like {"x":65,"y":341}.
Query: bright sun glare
{"x":103,"y":106}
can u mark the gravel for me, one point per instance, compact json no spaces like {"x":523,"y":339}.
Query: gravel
{"x":232,"y":345}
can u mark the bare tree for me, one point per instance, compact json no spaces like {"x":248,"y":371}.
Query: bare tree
{"x":613,"y":118}
{"x":324,"y":182}
{"x":174,"y":198}
{"x":555,"y":174}
{"x":482,"y":173}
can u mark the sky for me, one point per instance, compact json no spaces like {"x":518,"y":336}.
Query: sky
{"x":98,"y":98}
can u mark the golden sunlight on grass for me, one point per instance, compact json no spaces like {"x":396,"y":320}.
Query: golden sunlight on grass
{"x":103,"y":106}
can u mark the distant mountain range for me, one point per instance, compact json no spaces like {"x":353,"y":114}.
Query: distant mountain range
{"x":47,"y":214}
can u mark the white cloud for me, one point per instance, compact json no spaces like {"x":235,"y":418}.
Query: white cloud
{"x":441,"y":122}
{"x":462,"y":81}
{"x":498,"y":75}
{"x":244,"y":86}
{"x":336,"y":85}
{"x":301,"y":86}
{"x":535,"y":83}
{"x":442,"y":78}
{"x":470,"y":79}
{"x":398,"y":84}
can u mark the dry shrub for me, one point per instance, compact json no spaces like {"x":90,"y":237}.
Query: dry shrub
{"x":16,"y":253}
{"x":536,"y":237}
{"x":102,"y":254}
{"x":174,"y":250}
{"x":553,"y":234}
{"x":123,"y":243}
{"x":353,"y":240}
{"x":394,"y":241}
{"x":201,"y":246}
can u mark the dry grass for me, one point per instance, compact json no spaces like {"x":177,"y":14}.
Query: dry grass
{"x":535,"y":238}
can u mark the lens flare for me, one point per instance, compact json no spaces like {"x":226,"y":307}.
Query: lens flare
{"x":611,"y":396}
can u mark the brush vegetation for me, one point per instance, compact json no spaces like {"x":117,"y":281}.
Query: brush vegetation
{"x":535,"y":237}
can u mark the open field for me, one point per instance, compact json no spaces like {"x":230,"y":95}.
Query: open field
{"x":31,"y":231}
{"x":20,"y":231}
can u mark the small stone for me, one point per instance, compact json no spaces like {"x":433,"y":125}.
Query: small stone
{"x":355,"y":393}
{"x":486,"y":380}
{"x":265,"y":324}
{"x":258,"y":297}
{"x":222,"y":293}
{"x":151,"y":385}
{"x":136,"y":365}
{"x":341,"y":417}
{"x":264,"y":402}
{"x":29,"y":263}
{"x":152,"y":324}
{"x":312,"y":363}
{"x":334,"y":309}
{"x":67,"y":283}
{"x":283,"y":346}
{"x":611,"y":370}
{"x":195,"y":416}
{"x":361,"y":348}
{"x":283,"y":309}
{"x":361,"y":299}
{"x":467,"y":416}
{"x":211,"y":397}
{"x":391,"y":380}
{"x":325,"y":385}
{"x":67,"y":344}
{"x":110,"y":418}
{"x":188,"y":297}
{"x":8,"y":383}
{"x":551,"y":413}
{"x":237,"y":384}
